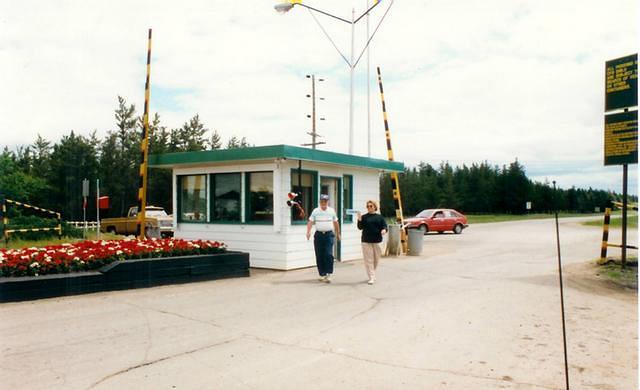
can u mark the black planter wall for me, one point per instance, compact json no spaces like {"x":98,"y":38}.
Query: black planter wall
{"x":127,"y":274}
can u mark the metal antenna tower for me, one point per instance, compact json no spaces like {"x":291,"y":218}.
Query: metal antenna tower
{"x":314,"y":135}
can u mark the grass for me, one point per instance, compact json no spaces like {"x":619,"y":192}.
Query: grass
{"x":632,"y":222}
{"x":91,"y":235}
{"x":626,"y":277}
{"x":487,"y":218}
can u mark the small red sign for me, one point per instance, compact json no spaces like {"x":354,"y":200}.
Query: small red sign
{"x":103,"y":202}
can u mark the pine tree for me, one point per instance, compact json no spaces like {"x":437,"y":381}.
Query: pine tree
{"x":159,"y":179}
{"x":215,"y":142}
{"x":235,"y":143}
{"x":190,"y":137}
{"x":73,"y":159}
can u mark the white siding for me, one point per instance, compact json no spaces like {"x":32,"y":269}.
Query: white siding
{"x":266,"y":247}
{"x":281,"y":245}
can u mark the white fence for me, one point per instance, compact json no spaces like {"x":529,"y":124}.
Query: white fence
{"x":90,"y":225}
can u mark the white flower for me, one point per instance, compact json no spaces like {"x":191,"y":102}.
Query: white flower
{"x":119,"y":252}
{"x":34,"y":265}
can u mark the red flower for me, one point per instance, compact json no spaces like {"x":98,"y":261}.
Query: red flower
{"x":88,"y":255}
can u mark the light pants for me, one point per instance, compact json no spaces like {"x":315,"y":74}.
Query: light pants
{"x":371,"y":253}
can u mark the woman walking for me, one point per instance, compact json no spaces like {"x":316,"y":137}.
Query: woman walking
{"x":373,"y":226}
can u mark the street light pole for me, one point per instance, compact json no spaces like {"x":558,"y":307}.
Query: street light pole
{"x":287,"y":5}
{"x":368,"y":98}
{"x":352,"y":66}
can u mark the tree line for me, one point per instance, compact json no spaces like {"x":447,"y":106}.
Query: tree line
{"x":485,"y":188}
{"x":49,"y":174}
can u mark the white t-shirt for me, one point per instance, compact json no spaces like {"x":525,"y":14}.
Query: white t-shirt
{"x":323,"y":218}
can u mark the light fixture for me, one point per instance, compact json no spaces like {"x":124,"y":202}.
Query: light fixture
{"x":283,"y":7}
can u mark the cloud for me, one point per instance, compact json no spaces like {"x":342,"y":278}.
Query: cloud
{"x":464,"y":81}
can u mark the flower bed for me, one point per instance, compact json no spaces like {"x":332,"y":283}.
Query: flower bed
{"x":91,"y":255}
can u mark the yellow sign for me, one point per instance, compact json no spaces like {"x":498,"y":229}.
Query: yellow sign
{"x":621,"y":138}
{"x":621,"y":89}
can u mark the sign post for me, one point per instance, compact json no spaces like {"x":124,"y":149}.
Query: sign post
{"x":621,"y":127}
{"x":85,"y":193}
{"x":98,"y":208}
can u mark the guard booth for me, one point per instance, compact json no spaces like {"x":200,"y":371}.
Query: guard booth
{"x":239,"y":196}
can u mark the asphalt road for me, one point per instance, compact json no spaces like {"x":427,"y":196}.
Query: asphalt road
{"x":477,"y":311}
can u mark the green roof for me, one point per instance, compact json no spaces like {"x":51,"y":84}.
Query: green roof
{"x":170,"y":160}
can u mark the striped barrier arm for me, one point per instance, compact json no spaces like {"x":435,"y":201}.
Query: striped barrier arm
{"x":620,"y":246}
{"x":5,"y":219}
{"x":28,"y":206}
{"x":395,"y":183}
{"x":144,"y":151}
{"x":30,"y":230}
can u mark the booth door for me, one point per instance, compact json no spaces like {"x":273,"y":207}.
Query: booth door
{"x":332,"y":186}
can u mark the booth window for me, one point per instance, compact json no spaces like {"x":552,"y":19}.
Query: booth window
{"x":260,"y":197}
{"x":347,"y":196}
{"x":305,"y":185}
{"x":193,"y":198}
{"x":225,"y":197}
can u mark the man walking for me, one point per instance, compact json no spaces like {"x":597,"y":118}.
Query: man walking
{"x":327,"y":228}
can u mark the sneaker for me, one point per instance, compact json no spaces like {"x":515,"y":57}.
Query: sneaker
{"x":322,"y":278}
{"x":371,"y":281}
{"x":327,"y":279}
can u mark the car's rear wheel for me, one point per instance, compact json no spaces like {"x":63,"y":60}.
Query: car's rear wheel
{"x":457,"y":229}
{"x":423,"y":228}
{"x":111,"y":229}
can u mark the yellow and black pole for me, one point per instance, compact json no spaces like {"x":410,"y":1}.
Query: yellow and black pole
{"x":59,"y":227}
{"x":144,"y":151}
{"x":395,"y":184}
{"x":5,"y":222}
{"x":605,"y":235}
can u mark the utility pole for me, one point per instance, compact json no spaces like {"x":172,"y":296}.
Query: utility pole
{"x":313,"y":132}
{"x":368,"y":93}
{"x":352,"y":67}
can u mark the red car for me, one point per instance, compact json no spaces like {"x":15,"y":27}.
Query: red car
{"x":438,"y":220}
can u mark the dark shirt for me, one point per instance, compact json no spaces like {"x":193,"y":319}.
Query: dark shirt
{"x":371,"y":226}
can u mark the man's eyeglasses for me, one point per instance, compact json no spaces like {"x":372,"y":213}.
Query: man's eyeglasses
{"x":370,"y":206}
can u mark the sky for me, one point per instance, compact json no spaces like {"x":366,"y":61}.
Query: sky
{"x":464,"y":82}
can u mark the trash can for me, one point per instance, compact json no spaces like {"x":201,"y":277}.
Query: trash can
{"x":416,"y":237}
{"x":394,"y":246}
